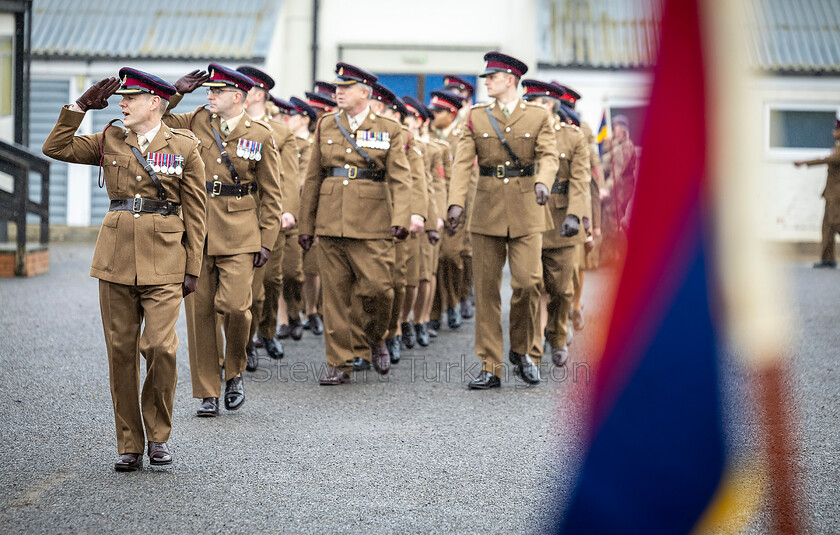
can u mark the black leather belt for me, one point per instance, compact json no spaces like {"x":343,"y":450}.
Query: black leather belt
{"x":503,"y":171}
{"x":355,"y":173}
{"x":141,"y":205}
{"x":560,"y":187}
{"x":216,"y":189}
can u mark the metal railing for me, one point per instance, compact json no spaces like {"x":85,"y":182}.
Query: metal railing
{"x":19,"y":162}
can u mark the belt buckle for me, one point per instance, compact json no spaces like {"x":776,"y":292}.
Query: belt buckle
{"x":137,"y":205}
{"x":352,"y":172}
{"x":500,"y":171}
{"x":217,"y":188}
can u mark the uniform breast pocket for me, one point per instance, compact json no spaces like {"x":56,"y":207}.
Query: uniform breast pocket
{"x":523,"y":145}
{"x":486,"y":143}
{"x":526,"y":184}
{"x":116,"y":168}
{"x":170,"y":255}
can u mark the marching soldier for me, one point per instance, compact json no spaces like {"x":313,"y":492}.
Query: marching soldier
{"x":567,"y":202}
{"x":268,"y":280}
{"x":148,"y":253}
{"x":831,"y":194}
{"x":241,"y":162}
{"x":518,"y":161}
{"x":445,"y":106}
{"x":356,"y":198}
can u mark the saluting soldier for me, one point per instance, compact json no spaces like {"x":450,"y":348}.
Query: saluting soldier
{"x":831,"y":194}
{"x":243,"y":220}
{"x":518,"y":161}
{"x":567,"y":204}
{"x":356,"y":199}
{"x":445,"y":106}
{"x":148,"y":253}
{"x":268,"y":280}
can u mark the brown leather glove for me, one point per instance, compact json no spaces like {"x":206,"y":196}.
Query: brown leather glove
{"x":399,"y":232}
{"x":190,"y":284}
{"x":542,"y":193}
{"x":191,"y":81}
{"x":96,"y":96}
{"x":261,"y":258}
{"x":453,"y":215}
{"x":570,"y":227}
{"x":305,"y":241}
{"x":433,"y":235}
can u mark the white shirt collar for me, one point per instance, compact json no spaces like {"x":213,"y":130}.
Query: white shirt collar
{"x":360,"y":118}
{"x":510,"y":106}
{"x":150,"y":135}
{"x":233,"y":122}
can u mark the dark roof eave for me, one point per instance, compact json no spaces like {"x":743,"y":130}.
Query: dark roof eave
{"x":92,"y":58}
{"x":589,"y":67}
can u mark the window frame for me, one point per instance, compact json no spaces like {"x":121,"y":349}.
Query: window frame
{"x":793,"y":153}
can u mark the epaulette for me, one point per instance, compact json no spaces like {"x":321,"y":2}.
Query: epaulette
{"x":263,"y":124}
{"x":480,"y":105}
{"x":184,"y":132}
{"x":532,"y":104}
{"x":387,"y":119}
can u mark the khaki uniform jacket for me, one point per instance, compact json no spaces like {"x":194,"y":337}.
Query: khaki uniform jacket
{"x":832,"y":183}
{"x":419,"y":181}
{"x":152,"y":248}
{"x":435,"y":155}
{"x":574,"y":168}
{"x":441,"y":177}
{"x":289,"y":172}
{"x":596,"y":184}
{"x":506,"y":207}
{"x":236,"y":226}
{"x":304,"y":151}
{"x":362,"y":209}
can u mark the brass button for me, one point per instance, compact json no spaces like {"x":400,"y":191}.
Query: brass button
{"x":507,"y":129}
{"x":507,"y":163}
{"x":345,"y":182}
{"x":247,"y":123}
{"x":224,"y":143}
{"x":485,"y":134}
{"x":506,"y":180}
{"x":527,"y":134}
{"x":215,"y":177}
{"x":136,"y":216}
{"x":329,"y":142}
{"x":562,"y":154}
{"x":114,"y":162}
{"x":139,"y":177}
{"x":347,"y":166}
{"x":349,"y":151}
{"x":137,"y":196}
{"x":218,"y":160}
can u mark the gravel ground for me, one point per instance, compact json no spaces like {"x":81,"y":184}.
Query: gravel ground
{"x":413,"y":452}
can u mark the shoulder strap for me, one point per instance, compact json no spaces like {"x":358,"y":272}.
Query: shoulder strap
{"x":349,"y":138}
{"x":233,"y":174}
{"x":502,"y":139}
{"x":151,"y":172}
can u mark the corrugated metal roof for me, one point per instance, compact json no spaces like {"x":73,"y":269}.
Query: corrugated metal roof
{"x":154,"y":29}
{"x":599,"y":33}
{"x":794,"y":35}
{"x":781,"y":35}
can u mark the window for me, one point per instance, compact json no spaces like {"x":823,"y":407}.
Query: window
{"x":801,"y":129}
{"x":6,"y":76}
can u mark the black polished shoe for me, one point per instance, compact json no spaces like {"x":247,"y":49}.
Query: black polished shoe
{"x":422,"y":334}
{"x":434,"y":324}
{"x":409,"y":337}
{"x":560,"y":355}
{"x":379,"y":357}
{"x":234,"y":394}
{"x":251,"y":354}
{"x":524,"y":368}
{"x":296,"y":329}
{"x":432,"y":332}
{"x":273,"y":347}
{"x":484,"y":381}
{"x":830,"y":264}
{"x":129,"y":462}
{"x":159,"y":454}
{"x":467,"y":309}
{"x":393,"y":345}
{"x":256,"y":341}
{"x":360,"y":364}
{"x":209,"y":407}
{"x":305,"y":323}
{"x":283,"y":331}
{"x":453,"y":317}
{"x":316,"y":325}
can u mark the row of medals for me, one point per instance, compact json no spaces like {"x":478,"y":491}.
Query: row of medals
{"x":170,"y":164}
{"x":249,"y":149}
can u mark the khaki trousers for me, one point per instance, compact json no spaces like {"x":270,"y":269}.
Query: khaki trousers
{"x":292,"y":277}
{"x":559,"y":269}
{"x":489,"y":254}
{"x":830,"y":227}
{"x":124,"y":309}
{"x":357,"y":277}
{"x":264,"y":317}
{"x":399,"y":278}
{"x":224,"y":287}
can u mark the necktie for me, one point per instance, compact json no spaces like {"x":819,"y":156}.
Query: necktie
{"x":225,"y":129}
{"x":353,"y":125}
{"x":506,"y":112}
{"x":142,"y":142}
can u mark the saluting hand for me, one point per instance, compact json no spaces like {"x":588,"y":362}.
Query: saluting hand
{"x":261,"y":258}
{"x":571,"y":226}
{"x":96,"y":96}
{"x":399,"y":232}
{"x":433,"y":235}
{"x":190,"y":284}
{"x":453,"y":215}
{"x":305,"y":241}
{"x":542,"y":193}
{"x":191,"y":81}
